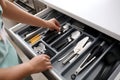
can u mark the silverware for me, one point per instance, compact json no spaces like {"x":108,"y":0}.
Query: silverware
{"x":88,"y":44}
{"x":80,"y":45}
{"x":74,"y":35}
{"x":58,"y":34}
{"x":64,"y":28}
{"x":40,"y":48}
{"x":62,"y":58}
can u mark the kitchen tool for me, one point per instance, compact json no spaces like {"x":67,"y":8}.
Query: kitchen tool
{"x":25,"y":31}
{"x":79,"y":69}
{"x":76,"y":56}
{"x":62,"y":58}
{"x":80,"y":45}
{"x":55,"y":36}
{"x":64,"y":28}
{"x":40,"y":48}
{"x":88,"y":44}
{"x":34,"y":39}
{"x":96,"y":52}
{"x":30,"y":34}
{"x":74,"y":35}
{"x":110,"y":61}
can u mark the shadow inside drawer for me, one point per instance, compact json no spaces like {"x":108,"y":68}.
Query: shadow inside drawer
{"x":66,"y":40}
{"x":61,"y":62}
{"x":23,"y":32}
{"x":81,"y":65}
{"x":110,"y":62}
{"x":51,"y":36}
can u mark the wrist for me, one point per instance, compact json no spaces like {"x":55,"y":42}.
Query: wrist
{"x":46,"y":24}
{"x":29,"y":68}
{"x":42,"y":23}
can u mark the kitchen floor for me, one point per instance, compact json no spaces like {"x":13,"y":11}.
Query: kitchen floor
{"x":38,"y":76}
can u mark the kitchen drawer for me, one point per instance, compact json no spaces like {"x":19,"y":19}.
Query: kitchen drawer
{"x":62,"y":46}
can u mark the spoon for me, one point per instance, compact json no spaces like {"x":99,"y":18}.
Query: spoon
{"x":64,"y":28}
{"x":74,"y":35}
{"x":58,"y":34}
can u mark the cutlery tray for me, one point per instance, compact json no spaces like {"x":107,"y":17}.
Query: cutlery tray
{"x":61,"y":44}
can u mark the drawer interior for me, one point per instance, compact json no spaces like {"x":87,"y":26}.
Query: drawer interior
{"x":61,"y":45}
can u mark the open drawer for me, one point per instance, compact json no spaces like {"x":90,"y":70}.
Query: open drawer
{"x":74,"y":44}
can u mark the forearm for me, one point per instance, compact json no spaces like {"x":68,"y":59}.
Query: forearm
{"x":15,"y":73}
{"x":15,"y":13}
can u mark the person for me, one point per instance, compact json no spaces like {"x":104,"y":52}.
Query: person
{"x":10,"y":69}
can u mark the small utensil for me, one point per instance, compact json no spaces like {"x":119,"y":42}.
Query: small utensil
{"x":95,"y":52}
{"x":74,"y":35}
{"x":40,"y":48}
{"x":80,"y":45}
{"x":64,"y":28}
{"x":87,"y":45}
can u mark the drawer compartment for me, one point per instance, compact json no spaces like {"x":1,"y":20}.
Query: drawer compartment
{"x":41,"y":48}
{"x":67,"y":70}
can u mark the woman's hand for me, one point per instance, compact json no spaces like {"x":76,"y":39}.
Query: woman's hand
{"x":40,"y":63}
{"x":53,"y":24}
{"x":37,"y":64}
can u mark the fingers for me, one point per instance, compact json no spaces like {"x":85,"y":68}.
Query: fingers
{"x":49,"y":66}
{"x":45,"y":57}
{"x":57,"y":24}
{"x":54,"y":24}
{"x":47,"y":61}
{"x":40,"y":63}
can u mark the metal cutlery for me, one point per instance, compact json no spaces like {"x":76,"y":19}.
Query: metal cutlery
{"x":57,"y":34}
{"x":88,"y":44}
{"x":64,"y":28}
{"x":80,"y":52}
{"x":80,"y":45}
{"x":40,"y":48}
{"x":74,"y":35}
{"x":95,"y":52}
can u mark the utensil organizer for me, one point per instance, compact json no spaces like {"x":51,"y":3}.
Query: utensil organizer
{"x":29,"y":38}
